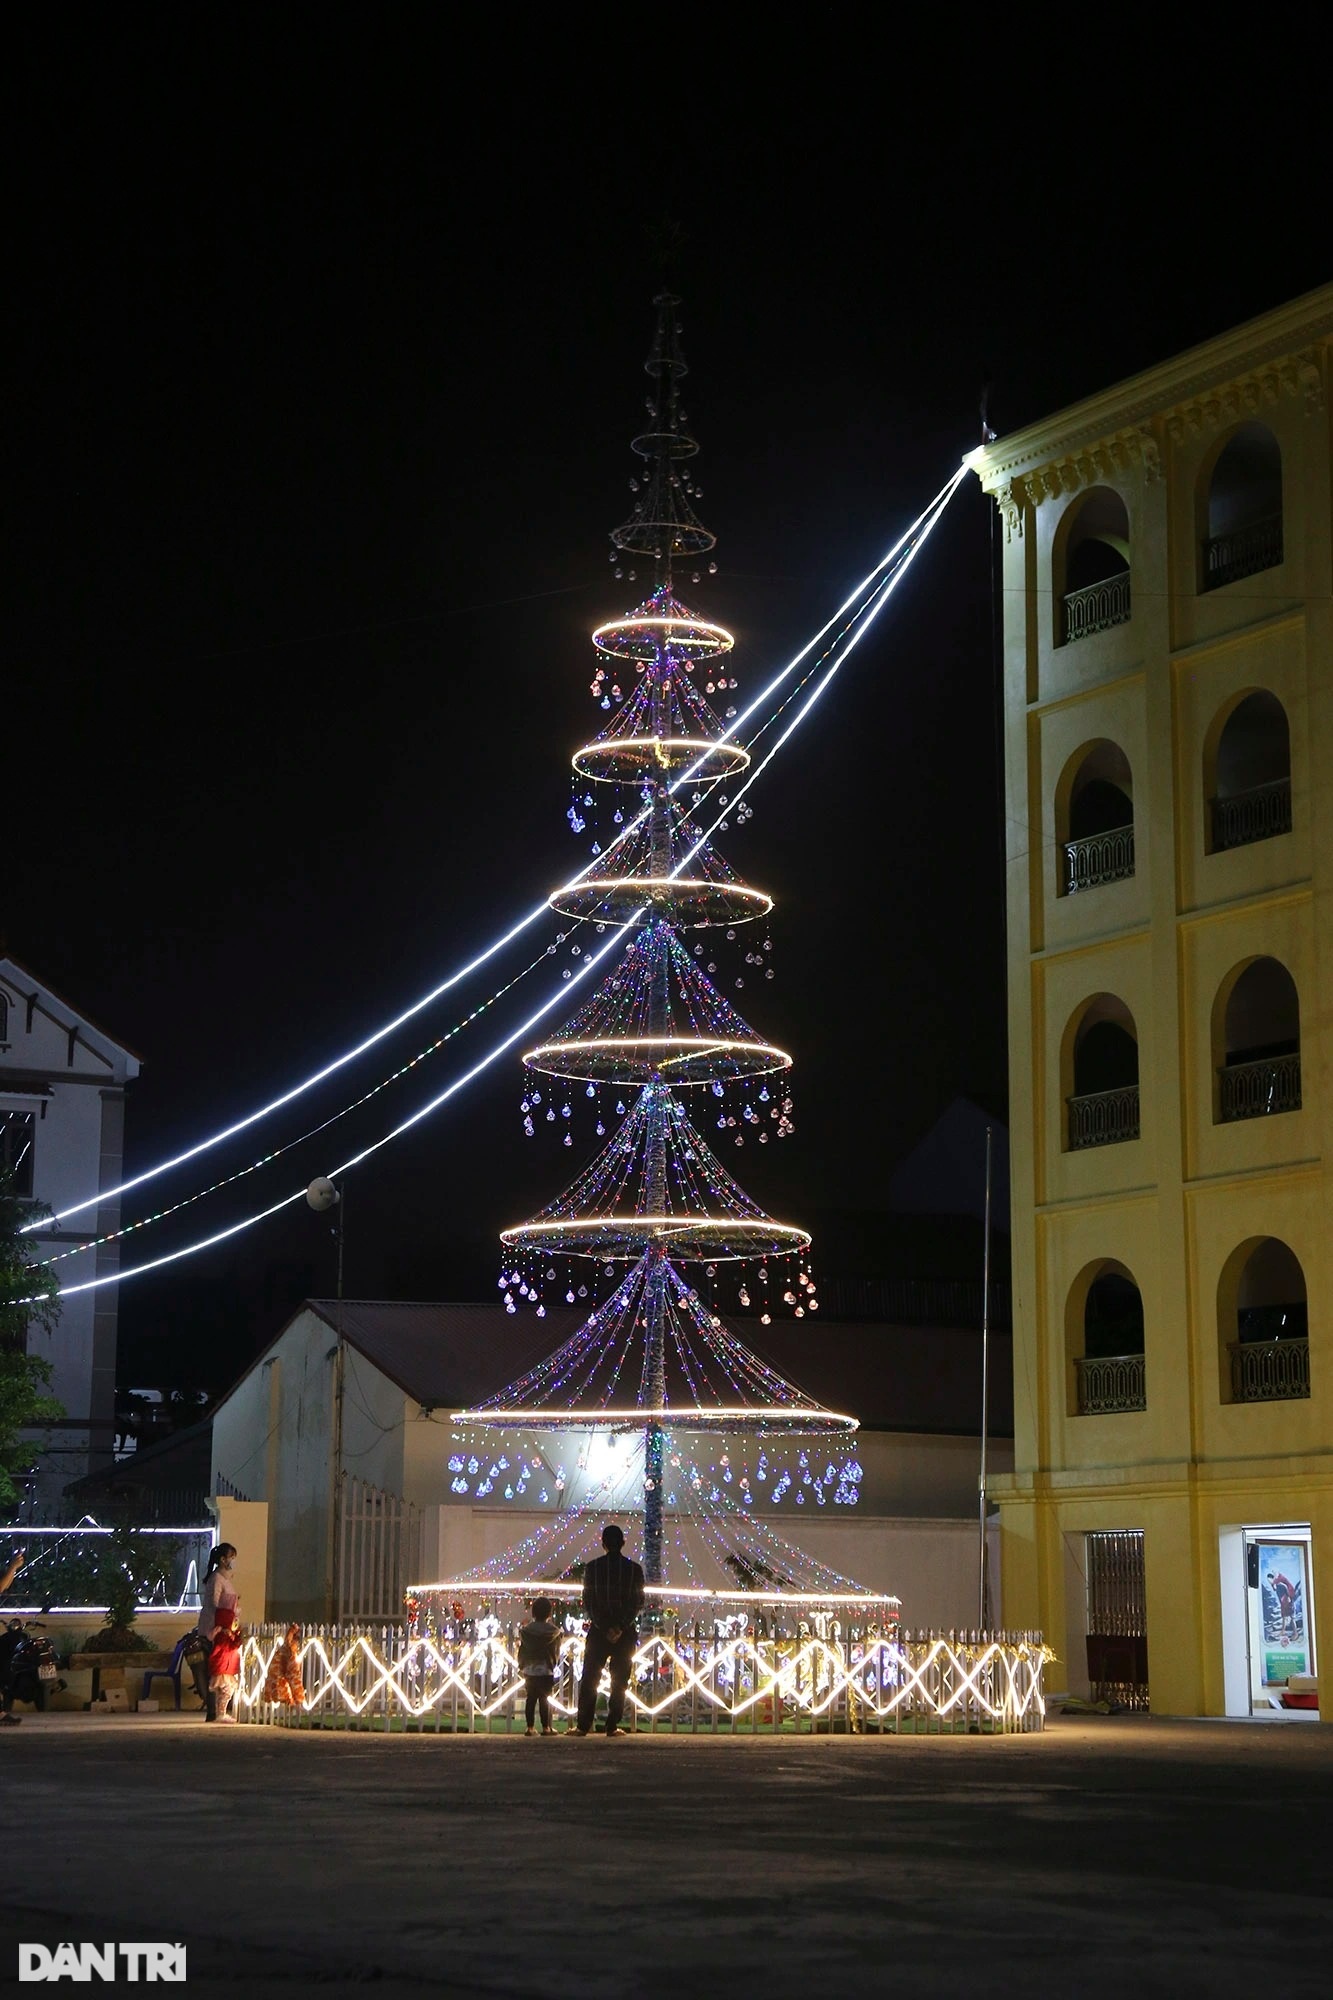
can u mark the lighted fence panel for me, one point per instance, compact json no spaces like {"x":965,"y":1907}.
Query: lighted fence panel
{"x":691,"y":1678}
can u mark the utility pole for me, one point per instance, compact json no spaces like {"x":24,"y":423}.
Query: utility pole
{"x":322,"y":1195}
{"x":982,"y":1591}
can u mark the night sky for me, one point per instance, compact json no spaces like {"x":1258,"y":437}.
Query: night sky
{"x":329,"y":340}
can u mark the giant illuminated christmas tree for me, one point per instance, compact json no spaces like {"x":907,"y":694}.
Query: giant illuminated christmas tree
{"x":655,"y":1213}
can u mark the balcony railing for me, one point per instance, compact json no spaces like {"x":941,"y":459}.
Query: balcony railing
{"x":1257,"y":1089}
{"x":1103,"y":1117}
{"x":1258,"y":814}
{"x":1227,"y":558}
{"x":1096,"y":607}
{"x":1101,"y":857}
{"x":1114,"y":1382}
{"x":1269,"y":1371}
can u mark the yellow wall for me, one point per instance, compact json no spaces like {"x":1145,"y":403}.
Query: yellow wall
{"x":1173,"y":1205}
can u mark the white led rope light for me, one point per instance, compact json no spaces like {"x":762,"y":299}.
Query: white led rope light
{"x":867,"y":615}
{"x":649,"y":750}
{"x":875,"y":604}
{"x":871,"y":613}
{"x":705,"y":890}
{"x":671,"y":1416}
{"x":660,"y":1228}
{"x":515,"y":930}
{"x":674,"y":1050}
{"x":520,"y":1586}
{"x":302,"y":1138}
{"x":424,"y":1111}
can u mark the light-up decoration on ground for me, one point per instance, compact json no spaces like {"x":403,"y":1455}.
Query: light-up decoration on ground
{"x":761,"y":1662}
{"x":654,"y":1370}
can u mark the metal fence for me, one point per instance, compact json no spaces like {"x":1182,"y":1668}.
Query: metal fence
{"x":1244,"y":552}
{"x":1117,"y":1617}
{"x":1269,"y":1371}
{"x":689,"y":1678}
{"x":1096,"y":607}
{"x":1103,"y":1117}
{"x":1110,"y":1383}
{"x":1258,"y":1089}
{"x":1099,"y":858}
{"x":1257,"y":814}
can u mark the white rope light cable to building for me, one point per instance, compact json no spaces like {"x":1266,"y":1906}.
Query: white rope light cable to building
{"x":874,"y":605}
{"x":507,"y":937}
{"x":424,"y":1111}
{"x":872,"y":612}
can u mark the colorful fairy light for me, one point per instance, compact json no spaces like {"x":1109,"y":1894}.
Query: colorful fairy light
{"x":806,"y":1417}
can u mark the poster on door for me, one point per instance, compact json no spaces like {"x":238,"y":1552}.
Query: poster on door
{"x":1282,"y":1616}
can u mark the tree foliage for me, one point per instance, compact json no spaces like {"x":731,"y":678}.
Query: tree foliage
{"x":28,"y":1300}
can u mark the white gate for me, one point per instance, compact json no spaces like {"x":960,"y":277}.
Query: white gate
{"x":379,"y":1551}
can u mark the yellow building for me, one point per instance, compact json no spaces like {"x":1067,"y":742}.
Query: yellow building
{"x":1168,"y":691}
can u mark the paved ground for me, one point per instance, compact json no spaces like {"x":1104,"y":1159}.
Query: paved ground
{"x":1111,"y":1856}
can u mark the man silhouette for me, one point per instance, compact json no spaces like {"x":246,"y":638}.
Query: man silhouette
{"x":612,"y":1600}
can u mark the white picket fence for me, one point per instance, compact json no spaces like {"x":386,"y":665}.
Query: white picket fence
{"x":379,"y":1551}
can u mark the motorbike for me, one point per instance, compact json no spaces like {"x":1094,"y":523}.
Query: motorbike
{"x":28,"y":1670}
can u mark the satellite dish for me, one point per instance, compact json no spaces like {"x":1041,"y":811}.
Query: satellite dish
{"x":321,"y":1194}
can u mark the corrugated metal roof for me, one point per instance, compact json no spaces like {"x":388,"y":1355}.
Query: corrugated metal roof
{"x":905,"y":1378}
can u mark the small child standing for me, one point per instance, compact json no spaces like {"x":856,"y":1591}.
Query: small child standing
{"x":538,"y":1651}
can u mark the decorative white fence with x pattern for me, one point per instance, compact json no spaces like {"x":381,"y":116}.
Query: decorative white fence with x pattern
{"x":683,"y":1681}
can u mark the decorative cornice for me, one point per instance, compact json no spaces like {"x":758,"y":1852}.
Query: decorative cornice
{"x":1103,"y":460}
{"x":1241,"y":372}
{"x":1246,"y":395}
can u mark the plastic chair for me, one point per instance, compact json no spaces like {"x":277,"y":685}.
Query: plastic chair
{"x":171,"y":1673}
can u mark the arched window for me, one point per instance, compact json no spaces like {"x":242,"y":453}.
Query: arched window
{"x":1248,"y":762}
{"x":1263,"y":1321}
{"x":1243,"y":531}
{"x":1094,"y":811}
{"x":1257,"y":1042}
{"x":1091,"y":559}
{"x":1103,"y":1058}
{"x":1107,"y":1329}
